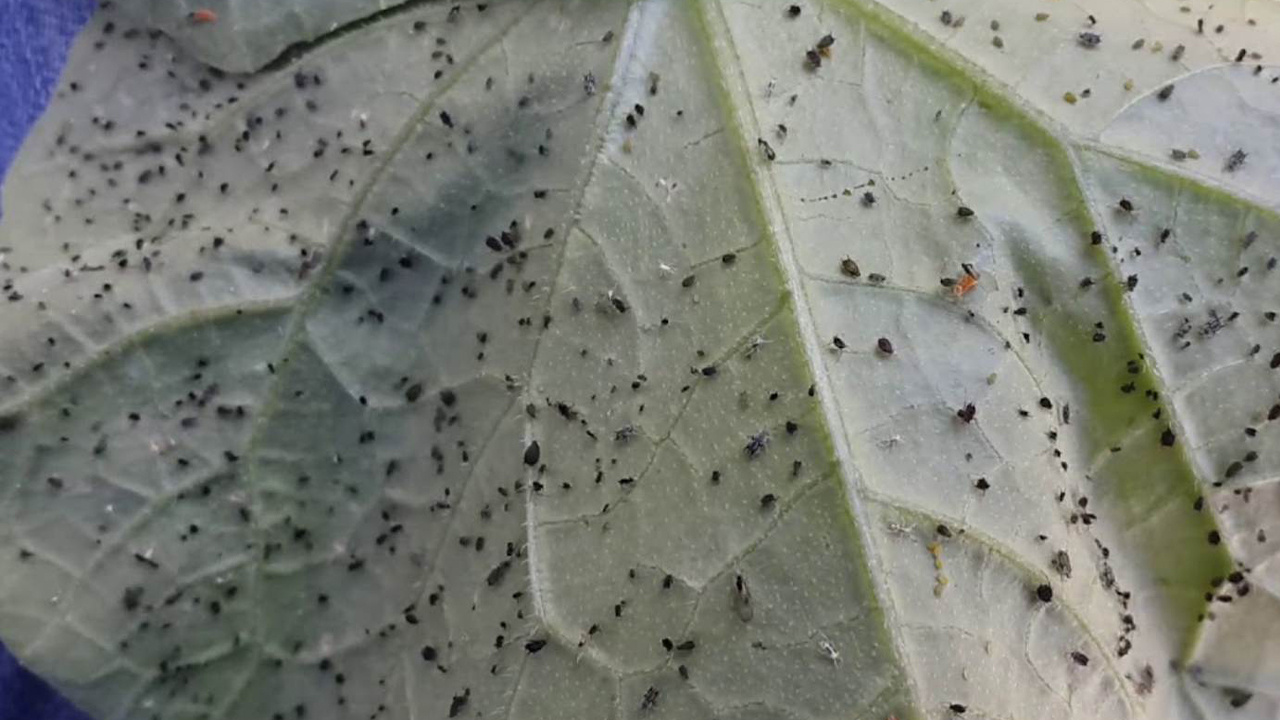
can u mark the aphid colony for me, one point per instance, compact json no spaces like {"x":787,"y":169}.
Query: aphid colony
{"x":518,"y":310}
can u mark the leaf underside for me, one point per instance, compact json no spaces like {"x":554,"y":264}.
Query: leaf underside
{"x":586,"y":358}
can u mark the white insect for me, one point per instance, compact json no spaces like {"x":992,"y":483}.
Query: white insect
{"x":828,"y":649}
{"x":897,"y":529}
{"x":665,"y":270}
{"x":754,"y":345}
{"x":667,"y":187}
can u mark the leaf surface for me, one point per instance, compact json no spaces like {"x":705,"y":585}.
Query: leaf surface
{"x":591,"y":359}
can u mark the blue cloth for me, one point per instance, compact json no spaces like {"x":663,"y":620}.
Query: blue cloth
{"x":34,"y":38}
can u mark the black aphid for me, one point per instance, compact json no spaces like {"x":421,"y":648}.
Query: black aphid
{"x":459,"y":703}
{"x":1236,"y":160}
{"x":532,"y":453}
{"x":413,"y":392}
{"x":742,"y":599}
{"x":132,"y":597}
{"x":650,"y":698}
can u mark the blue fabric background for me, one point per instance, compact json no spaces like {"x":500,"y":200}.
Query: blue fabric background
{"x":34,"y":37}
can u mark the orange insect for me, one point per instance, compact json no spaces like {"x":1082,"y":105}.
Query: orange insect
{"x":204,"y":16}
{"x":966,"y":282}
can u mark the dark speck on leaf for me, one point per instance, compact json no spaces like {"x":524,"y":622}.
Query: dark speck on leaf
{"x":1168,"y":438}
{"x":498,"y":573}
{"x":650,"y":698}
{"x":459,"y":703}
{"x":534,"y":646}
{"x":1236,"y":160}
{"x":132,"y":597}
{"x":429,"y":653}
{"x":532,"y":454}
{"x":1044,"y":593}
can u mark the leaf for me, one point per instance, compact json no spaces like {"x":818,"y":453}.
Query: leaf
{"x":697,"y":359}
{"x":244,"y":36}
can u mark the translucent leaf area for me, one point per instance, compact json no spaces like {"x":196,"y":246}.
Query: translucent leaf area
{"x":672,"y":358}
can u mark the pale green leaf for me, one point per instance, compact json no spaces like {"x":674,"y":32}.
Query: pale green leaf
{"x":584,"y":358}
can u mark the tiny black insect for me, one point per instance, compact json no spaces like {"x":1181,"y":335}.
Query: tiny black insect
{"x":532,"y":453}
{"x":650,"y":698}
